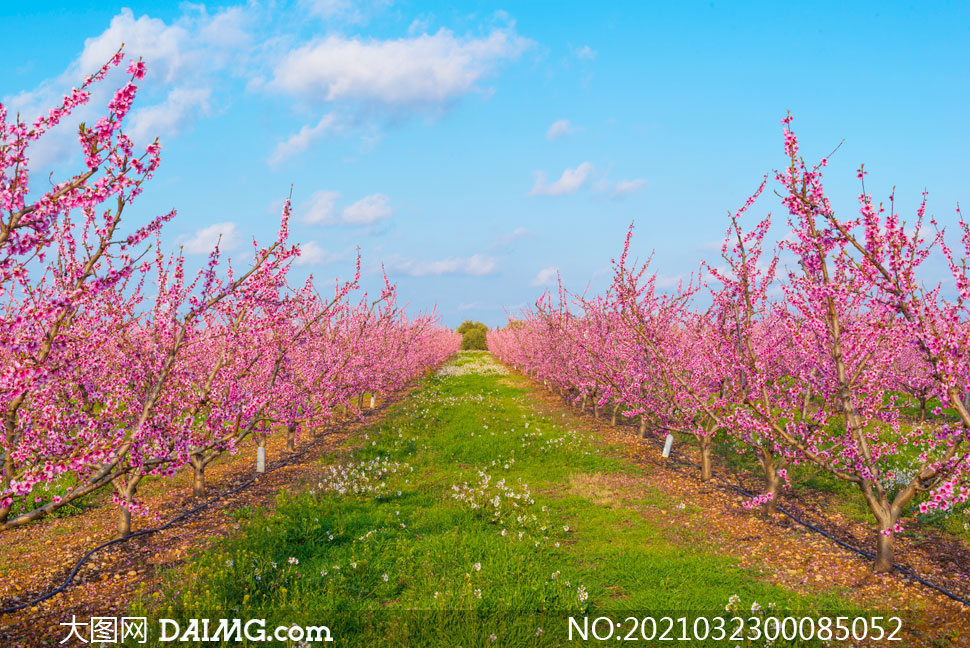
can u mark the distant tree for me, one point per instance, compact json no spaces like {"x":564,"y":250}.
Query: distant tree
{"x":473,"y":336}
{"x":466,"y":325}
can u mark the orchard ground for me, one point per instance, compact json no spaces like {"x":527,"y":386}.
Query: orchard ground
{"x":481,"y":510}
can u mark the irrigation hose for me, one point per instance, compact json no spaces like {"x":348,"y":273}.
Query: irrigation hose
{"x":77,"y":566}
{"x":907,"y":571}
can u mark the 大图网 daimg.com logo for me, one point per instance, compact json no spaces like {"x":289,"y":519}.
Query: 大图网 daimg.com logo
{"x":139,"y":630}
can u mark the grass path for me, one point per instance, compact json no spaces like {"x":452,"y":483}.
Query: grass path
{"x":472,"y":516}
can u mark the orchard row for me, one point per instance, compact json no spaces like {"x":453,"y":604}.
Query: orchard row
{"x":805,"y":354}
{"x":117,"y":363}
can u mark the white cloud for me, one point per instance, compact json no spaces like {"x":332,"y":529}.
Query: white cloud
{"x":625,"y":187}
{"x":168,"y":117}
{"x":546,"y":276}
{"x":164,"y":47}
{"x":300,"y":141}
{"x":508,"y":239}
{"x":668,"y":281}
{"x":312,"y":254}
{"x":345,"y":10}
{"x":559,"y":128}
{"x":195,"y":43}
{"x":476,"y":264}
{"x":710,"y":245}
{"x":426,"y":71}
{"x":419,"y":25}
{"x":228,"y":29}
{"x":321,"y":208}
{"x":184,"y":60}
{"x":367,"y":210}
{"x":570,"y":181}
{"x":620,"y":188}
{"x":585,"y":53}
{"x":369,"y":82}
{"x":204,"y":240}
{"x":470,"y":306}
{"x":327,"y":8}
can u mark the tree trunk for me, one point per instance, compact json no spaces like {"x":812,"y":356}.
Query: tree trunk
{"x":198,"y":481}
{"x":582,"y":407}
{"x":643,"y":426}
{"x":373,"y":401}
{"x":124,"y":523}
{"x":6,"y":475}
{"x":772,"y":481}
{"x":613,"y":418}
{"x":705,"y":446}
{"x":291,"y":437}
{"x":360,"y":402}
{"x":884,"y":553}
{"x":127,"y":492}
{"x":879,"y":506}
{"x":198,"y":472}
{"x":922,"y":409}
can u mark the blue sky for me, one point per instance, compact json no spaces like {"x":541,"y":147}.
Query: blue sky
{"x":475,"y":150}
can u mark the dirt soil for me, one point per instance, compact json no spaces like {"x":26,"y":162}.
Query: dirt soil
{"x":777,"y":549}
{"x":38,"y":557}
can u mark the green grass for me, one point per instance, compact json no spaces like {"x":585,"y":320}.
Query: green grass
{"x":45,"y":492}
{"x":402,"y":543}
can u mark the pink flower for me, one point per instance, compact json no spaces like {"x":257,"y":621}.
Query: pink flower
{"x":137,"y":69}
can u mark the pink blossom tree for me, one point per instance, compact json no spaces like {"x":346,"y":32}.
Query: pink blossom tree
{"x":102,"y":384}
{"x":854,"y":307}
